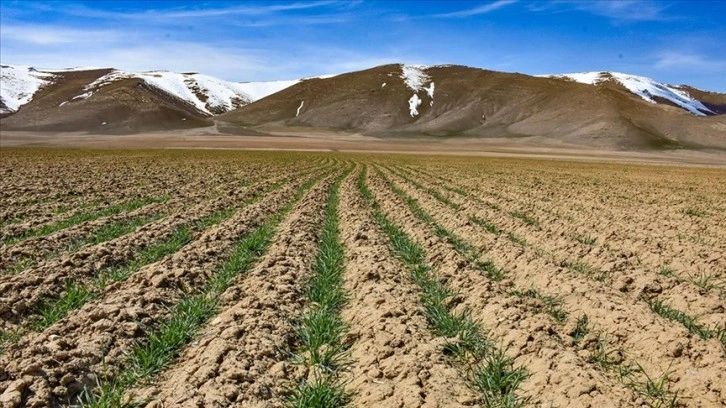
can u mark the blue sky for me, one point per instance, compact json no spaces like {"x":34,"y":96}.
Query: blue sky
{"x":671,"y":41}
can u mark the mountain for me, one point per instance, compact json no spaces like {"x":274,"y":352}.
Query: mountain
{"x":606,"y":110}
{"x":603,"y":110}
{"x":92,"y":99}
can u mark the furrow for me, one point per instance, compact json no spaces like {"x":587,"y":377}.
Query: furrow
{"x":630,"y":280}
{"x":659,"y":243}
{"x":487,"y":367}
{"x":240,"y":358}
{"x":22,"y":294}
{"x":320,"y":348}
{"x":34,"y":250}
{"x":53,"y":367}
{"x":396,"y":362}
{"x":632,"y":331}
{"x":559,"y":376}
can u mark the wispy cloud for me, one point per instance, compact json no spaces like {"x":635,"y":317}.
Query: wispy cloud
{"x":688,"y":60}
{"x":231,"y":63}
{"x":195,"y":13}
{"x":483,"y":9}
{"x":238,"y":62}
{"x":310,"y":20}
{"x":635,"y":10}
{"x":52,"y":35}
{"x":249,"y":15}
{"x":617,"y":10}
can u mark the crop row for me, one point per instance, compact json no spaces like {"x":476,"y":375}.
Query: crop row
{"x":338,"y":280}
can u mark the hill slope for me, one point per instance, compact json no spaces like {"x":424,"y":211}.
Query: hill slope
{"x":111,"y":100}
{"x":462,"y":101}
{"x":605,"y":110}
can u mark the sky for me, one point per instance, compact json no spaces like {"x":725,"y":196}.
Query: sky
{"x":677,"y":42}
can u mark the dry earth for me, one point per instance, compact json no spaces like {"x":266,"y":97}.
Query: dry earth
{"x":604,"y":284}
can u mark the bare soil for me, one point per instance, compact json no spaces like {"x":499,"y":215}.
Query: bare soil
{"x":592,"y":237}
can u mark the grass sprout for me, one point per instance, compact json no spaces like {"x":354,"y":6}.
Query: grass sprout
{"x":461,"y":246}
{"x":74,"y":296}
{"x":517,"y":239}
{"x":486,"y":225}
{"x":584,"y":239}
{"x":113,"y":230}
{"x":581,"y":329}
{"x":670,"y":313}
{"x":695,"y":212}
{"x":320,"y":330}
{"x":497,"y":379}
{"x":83,"y":217}
{"x":547,"y":304}
{"x":654,"y":390}
{"x":708,"y":281}
{"x":668,"y":271}
{"x":10,"y":336}
{"x":604,"y":357}
{"x":318,"y":393}
{"x":585,"y":269}
{"x":528,"y":219}
{"x":435,"y":194}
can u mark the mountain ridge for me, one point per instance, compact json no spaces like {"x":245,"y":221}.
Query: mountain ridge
{"x":603,"y":109}
{"x":209,"y":94}
{"x":449,"y":101}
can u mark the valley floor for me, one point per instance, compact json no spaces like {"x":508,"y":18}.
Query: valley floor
{"x":302,"y":139}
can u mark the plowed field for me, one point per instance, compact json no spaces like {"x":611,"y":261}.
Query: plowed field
{"x":270,"y":279}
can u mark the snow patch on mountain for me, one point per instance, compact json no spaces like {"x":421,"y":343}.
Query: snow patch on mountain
{"x":208,"y":94}
{"x":644,"y":87}
{"x":18,"y":84}
{"x":430,"y":92}
{"x":413,"y":104}
{"x":416,"y":78}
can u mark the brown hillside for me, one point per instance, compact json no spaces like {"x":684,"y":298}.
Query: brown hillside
{"x":713,"y":100}
{"x":124,"y":106}
{"x":481,"y":103}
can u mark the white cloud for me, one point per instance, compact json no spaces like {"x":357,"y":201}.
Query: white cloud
{"x":49,"y":35}
{"x":194,"y":13}
{"x":625,"y":9}
{"x":483,"y":9}
{"x":228,"y":63}
{"x":233,"y":63}
{"x":293,"y":21}
{"x":688,"y":60}
{"x":618,"y":10}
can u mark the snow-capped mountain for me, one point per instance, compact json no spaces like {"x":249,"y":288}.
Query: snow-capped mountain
{"x":208,"y":94}
{"x":600,"y":109}
{"x":214,"y":96}
{"x":646,"y":88}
